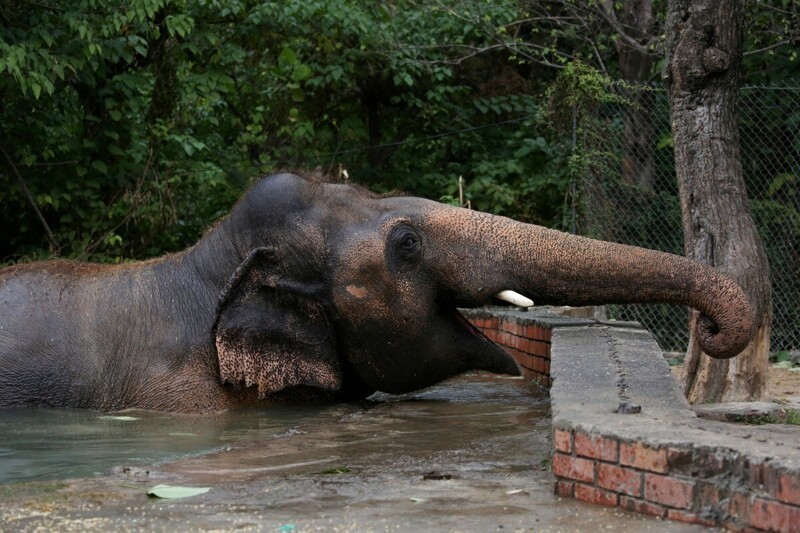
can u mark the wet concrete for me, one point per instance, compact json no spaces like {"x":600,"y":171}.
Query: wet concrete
{"x":469,"y":455}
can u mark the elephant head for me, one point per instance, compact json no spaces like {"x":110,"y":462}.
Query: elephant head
{"x":342,"y":289}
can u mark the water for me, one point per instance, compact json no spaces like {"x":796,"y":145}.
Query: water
{"x":470,"y":454}
{"x":46,"y":444}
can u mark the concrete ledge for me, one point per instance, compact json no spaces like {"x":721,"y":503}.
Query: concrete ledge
{"x":625,"y":436}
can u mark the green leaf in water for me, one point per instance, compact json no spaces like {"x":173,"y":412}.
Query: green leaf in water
{"x":118,"y":417}
{"x":170,"y":491}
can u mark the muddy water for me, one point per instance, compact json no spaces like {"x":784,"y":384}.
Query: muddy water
{"x":46,"y":444}
{"x":469,"y":455}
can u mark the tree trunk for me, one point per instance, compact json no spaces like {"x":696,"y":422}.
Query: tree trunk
{"x":702,"y":72}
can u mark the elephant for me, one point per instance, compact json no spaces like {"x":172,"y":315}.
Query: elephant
{"x":312,"y":289}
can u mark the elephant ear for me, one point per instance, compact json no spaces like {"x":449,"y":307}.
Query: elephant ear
{"x":272,"y":332}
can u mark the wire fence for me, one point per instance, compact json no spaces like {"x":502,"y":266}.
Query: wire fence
{"x":628,"y":193}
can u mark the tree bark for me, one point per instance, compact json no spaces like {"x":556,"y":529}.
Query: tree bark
{"x":702,"y":73}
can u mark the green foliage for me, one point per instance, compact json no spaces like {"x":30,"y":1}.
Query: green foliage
{"x":84,"y":128}
{"x":136,"y":124}
{"x":771,"y":53}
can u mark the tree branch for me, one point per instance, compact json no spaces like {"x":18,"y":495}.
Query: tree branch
{"x":768,"y":48}
{"x":54,"y":248}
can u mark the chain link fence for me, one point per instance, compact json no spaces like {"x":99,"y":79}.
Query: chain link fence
{"x":628,"y":193}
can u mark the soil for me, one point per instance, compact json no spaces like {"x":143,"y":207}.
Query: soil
{"x":783,"y":384}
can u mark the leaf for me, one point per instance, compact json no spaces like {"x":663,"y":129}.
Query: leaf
{"x":418,"y":500}
{"x":118,"y":417}
{"x":100,"y":167}
{"x":287,"y":57}
{"x":172,"y":492}
{"x":301,"y":72}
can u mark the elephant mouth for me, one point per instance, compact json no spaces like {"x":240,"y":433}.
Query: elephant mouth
{"x":480,"y":352}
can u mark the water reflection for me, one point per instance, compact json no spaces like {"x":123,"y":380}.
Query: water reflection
{"x":46,"y":444}
{"x":39,"y":444}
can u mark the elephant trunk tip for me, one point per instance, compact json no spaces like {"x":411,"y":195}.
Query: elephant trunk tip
{"x":723,"y":339}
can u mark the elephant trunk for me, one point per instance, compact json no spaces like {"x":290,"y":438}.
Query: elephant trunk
{"x":552,"y":267}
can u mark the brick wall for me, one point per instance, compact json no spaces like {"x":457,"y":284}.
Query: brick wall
{"x":528,"y":342}
{"x":698,"y":486}
{"x":693,"y":482}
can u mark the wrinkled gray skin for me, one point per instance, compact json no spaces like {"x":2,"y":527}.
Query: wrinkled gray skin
{"x":311,"y":289}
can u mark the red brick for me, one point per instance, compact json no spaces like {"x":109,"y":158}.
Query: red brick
{"x":690,"y":518}
{"x":668,"y":491}
{"x":540,"y":348}
{"x":739,"y":505}
{"x":525,"y":345}
{"x":788,"y":488}
{"x":679,"y":460}
{"x":526,"y":360}
{"x":562,"y":439}
{"x":513,"y":340}
{"x":640,"y":506}
{"x":565,"y":489}
{"x":507,"y":339}
{"x":643,"y":457}
{"x":547,"y":366}
{"x":531,"y":332}
{"x":618,"y":479}
{"x":774,"y":516}
{"x":708,"y":495}
{"x":500,"y":338}
{"x":521,"y":355}
{"x":478,"y":322}
{"x":596,"y":447}
{"x":522,"y":344}
{"x":544,"y":334}
{"x":590,"y":494}
{"x":573,"y":467}
{"x":536,"y":348}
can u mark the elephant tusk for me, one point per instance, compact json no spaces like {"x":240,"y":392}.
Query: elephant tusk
{"x":514,"y":298}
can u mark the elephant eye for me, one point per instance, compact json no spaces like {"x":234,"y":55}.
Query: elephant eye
{"x":407,"y":242}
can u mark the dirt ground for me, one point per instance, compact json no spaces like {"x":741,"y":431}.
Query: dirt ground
{"x":783,"y":384}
